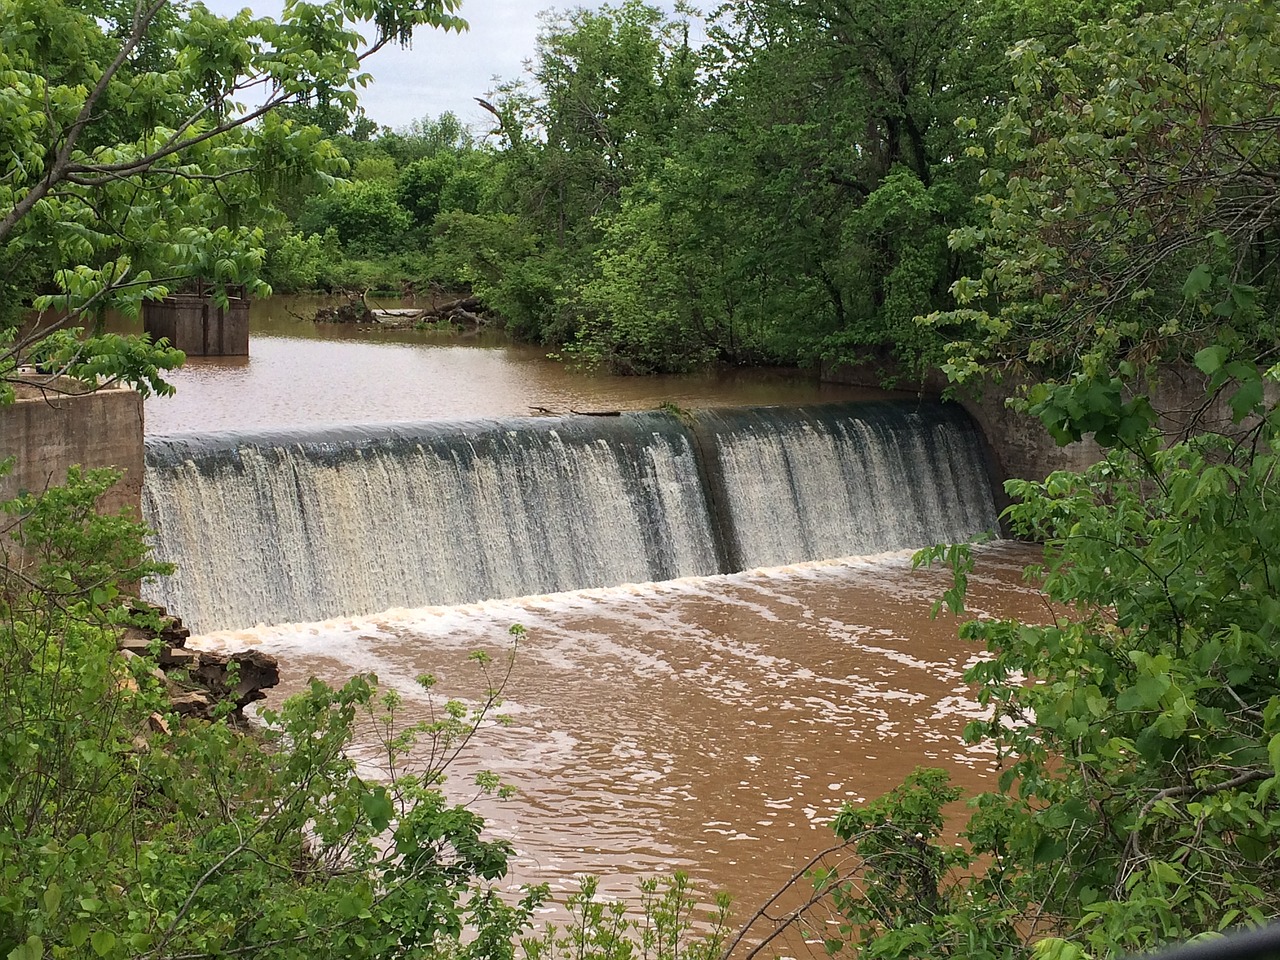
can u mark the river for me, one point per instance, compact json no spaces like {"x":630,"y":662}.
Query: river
{"x":300,"y":372}
{"x":711,"y":724}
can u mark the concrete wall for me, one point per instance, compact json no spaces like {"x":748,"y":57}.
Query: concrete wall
{"x":47,"y":432}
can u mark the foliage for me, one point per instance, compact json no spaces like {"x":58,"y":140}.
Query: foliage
{"x":440,"y":183}
{"x":131,"y":163}
{"x":507,"y":266}
{"x":644,"y":312}
{"x":1137,"y":728}
{"x":126,"y":832}
{"x":782,"y":192}
{"x":1129,"y":198}
{"x":613,"y":87}
{"x":427,"y":137}
{"x":665,"y":929}
{"x":363,"y":214}
{"x":295,"y":263}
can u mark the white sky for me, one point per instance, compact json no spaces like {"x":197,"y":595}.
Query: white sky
{"x":444,"y":71}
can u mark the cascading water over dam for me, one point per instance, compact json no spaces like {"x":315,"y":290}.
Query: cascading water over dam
{"x":276,"y":527}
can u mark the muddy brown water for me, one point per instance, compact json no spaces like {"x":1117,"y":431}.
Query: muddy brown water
{"x":304,"y":373}
{"x":711,"y":725}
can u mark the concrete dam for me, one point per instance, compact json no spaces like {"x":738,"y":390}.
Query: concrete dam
{"x":284,"y":526}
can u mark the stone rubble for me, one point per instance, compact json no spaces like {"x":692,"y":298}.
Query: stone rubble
{"x":197,"y":680}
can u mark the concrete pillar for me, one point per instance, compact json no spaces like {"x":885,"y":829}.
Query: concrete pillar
{"x":198,"y":326}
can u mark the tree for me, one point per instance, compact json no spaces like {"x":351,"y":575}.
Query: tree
{"x":614,"y":84}
{"x":838,"y":119}
{"x":1138,"y":725}
{"x":427,"y":137}
{"x":826,"y":171}
{"x":363,"y":214}
{"x":1131,"y":199}
{"x":441,"y":182}
{"x":143,"y":143}
{"x":128,"y":169}
{"x":612,"y":88}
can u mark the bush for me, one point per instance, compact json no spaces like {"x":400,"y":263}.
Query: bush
{"x":127,"y":832}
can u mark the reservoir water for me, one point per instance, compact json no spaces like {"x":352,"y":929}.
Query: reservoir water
{"x":725,"y":638}
{"x":301,"y":372}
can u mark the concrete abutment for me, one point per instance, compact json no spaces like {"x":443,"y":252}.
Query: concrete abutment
{"x":50,"y":428}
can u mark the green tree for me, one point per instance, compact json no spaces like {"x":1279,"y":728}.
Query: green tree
{"x":131,"y":163}
{"x":127,"y":832}
{"x":612,"y":88}
{"x":427,"y":137}
{"x":1137,"y":725}
{"x":442,"y":182}
{"x":666,"y":296}
{"x":826,"y":171}
{"x":1130,"y":198}
{"x":364,"y":214}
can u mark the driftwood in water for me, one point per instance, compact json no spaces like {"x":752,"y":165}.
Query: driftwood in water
{"x":461,"y":312}
{"x":355,"y":309}
{"x":467,"y":312}
{"x":464,"y":312}
{"x":545,"y":412}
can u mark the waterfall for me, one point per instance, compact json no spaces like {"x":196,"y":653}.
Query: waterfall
{"x":824,"y":482}
{"x":289,"y":526}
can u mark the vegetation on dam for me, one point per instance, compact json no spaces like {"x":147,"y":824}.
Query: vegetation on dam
{"x":1075,"y":192}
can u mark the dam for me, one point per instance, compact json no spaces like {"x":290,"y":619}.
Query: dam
{"x":276,"y":526}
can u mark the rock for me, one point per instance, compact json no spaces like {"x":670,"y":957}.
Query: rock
{"x":193,"y":703}
{"x":255,"y":671}
{"x":139,"y":646}
{"x":217,"y":678}
{"x":177,"y":658}
{"x":127,"y":682}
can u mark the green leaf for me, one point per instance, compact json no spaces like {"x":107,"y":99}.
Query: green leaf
{"x":379,"y":808}
{"x":52,"y":899}
{"x":1198,"y":281}
{"x":78,"y":933}
{"x":1273,"y":751}
{"x":1210,"y":359}
{"x":103,"y":942}
{"x":1145,"y":694}
{"x":1246,"y":400}
{"x":33,"y":949}
{"x":350,"y":906}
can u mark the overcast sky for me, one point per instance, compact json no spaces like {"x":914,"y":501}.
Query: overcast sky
{"x":444,"y":71}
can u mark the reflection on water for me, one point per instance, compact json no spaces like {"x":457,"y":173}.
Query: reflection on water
{"x":709,"y":724}
{"x":299,"y":372}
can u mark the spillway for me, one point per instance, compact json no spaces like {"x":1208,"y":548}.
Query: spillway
{"x":303,"y":525}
